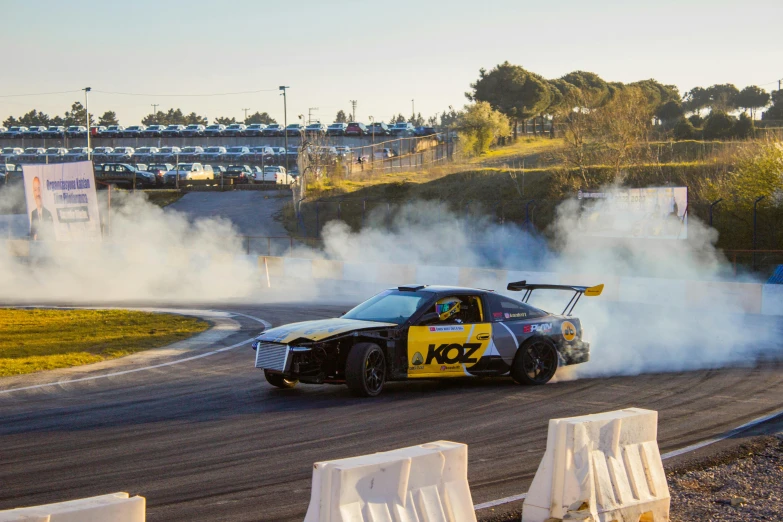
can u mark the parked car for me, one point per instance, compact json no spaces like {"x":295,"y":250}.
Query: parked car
{"x":336,"y":129}
{"x":187,"y":172}
{"x":113,"y":131}
{"x":378,"y":129}
{"x":383,"y":154}
{"x":173,"y":131}
{"x":292,"y":154}
{"x":76,"y":131}
{"x":278,"y":151}
{"x":167,"y":154}
{"x":255,"y":129}
{"x":53,"y":132}
{"x":121,"y":154}
{"x":3,"y":130}
{"x":134,"y":131}
{"x":219,"y":170}
{"x":31,"y":155}
{"x":343,"y":152}
{"x":159,"y":170}
{"x":236,"y":154}
{"x":145,"y":154}
{"x":101,"y":154}
{"x":9,"y":153}
{"x":215,"y":130}
{"x":193,"y":131}
{"x":153,"y":131}
{"x":355,"y":128}
{"x":273,"y":130}
{"x":294,"y":129}
{"x":235,"y":129}
{"x":16,"y":131}
{"x":274,"y":174}
{"x":13,"y":173}
{"x":97,"y":131}
{"x":212,"y":154}
{"x":78,"y":154}
{"x":315,"y":129}
{"x":125,"y":174}
{"x":55,"y":154}
{"x":33,"y":132}
{"x":424,"y":131}
{"x":262,"y":154}
{"x":191,"y":153}
{"x":239,"y":173}
{"x":402,"y":129}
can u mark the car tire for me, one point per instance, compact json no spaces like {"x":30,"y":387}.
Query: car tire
{"x":278,"y":381}
{"x":535,"y":362}
{"x":365,"y":370}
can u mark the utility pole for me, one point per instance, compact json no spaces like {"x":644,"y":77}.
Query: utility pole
{"x":155,"y":108}
{"x":353,"y":113}
{"x":89,"y":130}
{"x":285,"y":123}
{"x":245,"y":115}
{"x":413,"y":109}
{"x":310,"y":114}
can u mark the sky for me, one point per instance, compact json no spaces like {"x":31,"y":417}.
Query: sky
{"x":381,"y":54}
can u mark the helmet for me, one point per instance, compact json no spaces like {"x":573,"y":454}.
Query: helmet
{"x":447,"y":307}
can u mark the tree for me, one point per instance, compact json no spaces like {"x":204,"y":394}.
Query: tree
{"x":657,"y":94}
{"x":718,"y":125}
{"x":449,"y":119}
{"x":416,"y":120}
{"x":77,"y":115}
{"x":696,"y":99}
{"x":108,"y":118}
{"x":669,"y":112}
{"x":195,"y":119}
{"x":159,"y":118}
{"x":776,"y":111}
{"x":260,"y":117}
{"x":723,"y":97}
{"x":480,"y":126}
{"x":684,"y":130}
{"x":341,"y":117}
{"x":225,"y":120}
{"x":743,"y":127}
{"x":752,"y":97}
{"x":591,"y":90}
{"x":512,"y":90}
{"x":696,"y":120}
{"x":31,"y":118}
{"x":398,"y":119}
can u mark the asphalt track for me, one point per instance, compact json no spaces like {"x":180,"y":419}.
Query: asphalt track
{"x":208,"y":439}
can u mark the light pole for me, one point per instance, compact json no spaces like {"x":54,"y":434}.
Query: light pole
{"x":372,"y":149}
{"x":285,"y":123}
{"x":413,"y":109}
{"x":245,"y":114}
{"x":89,"y":130}
{"x":155,"y":109}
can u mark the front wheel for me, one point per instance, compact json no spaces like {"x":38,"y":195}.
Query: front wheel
{"x":535,"y":362}
{"x":365,"y":370}
{"x":277,"y":380}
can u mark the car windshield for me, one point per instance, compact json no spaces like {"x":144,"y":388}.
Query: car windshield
{"x":213,"y":127}
{"x":172,"y":127}
{"x":212,"y":149}
{"x":233,"y":126}
{"x":184,"y":166}
{"x":391,"y":306}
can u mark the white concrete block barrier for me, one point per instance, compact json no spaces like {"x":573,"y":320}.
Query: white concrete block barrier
{"x":416,"y":484}
{"x":114,"y":507}
{"x":604,"y":467}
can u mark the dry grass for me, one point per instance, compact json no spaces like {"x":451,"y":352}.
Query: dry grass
{"x":42,"y":339}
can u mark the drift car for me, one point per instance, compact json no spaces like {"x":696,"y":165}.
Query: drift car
{"x":427,"y":332}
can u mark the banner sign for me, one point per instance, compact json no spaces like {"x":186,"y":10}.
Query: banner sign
{"x":651,"y":213}
{"x":61,"y":202}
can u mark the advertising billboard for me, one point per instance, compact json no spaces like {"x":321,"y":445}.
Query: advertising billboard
{"x":649,"y":213}
{"x":61,"y":202}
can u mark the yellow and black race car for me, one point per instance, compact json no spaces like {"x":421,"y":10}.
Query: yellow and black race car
{"x":427,"y":332}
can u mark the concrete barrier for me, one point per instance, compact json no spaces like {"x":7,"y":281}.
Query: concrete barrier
{"x":419,"y":483}
{"x":114,"y":507}
{"x":772,"y":300}
{"x":603,"y":467}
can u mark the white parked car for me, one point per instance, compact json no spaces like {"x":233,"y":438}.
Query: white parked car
{"x":273,"y":174}
{"x":188,"y":171}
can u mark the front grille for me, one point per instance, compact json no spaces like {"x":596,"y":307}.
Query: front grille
{"x":272,"y":356}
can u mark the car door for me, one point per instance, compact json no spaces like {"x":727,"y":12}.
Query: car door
{"x":453,"y":347}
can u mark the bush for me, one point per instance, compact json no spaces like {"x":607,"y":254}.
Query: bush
{"x":718,"y":125}
{"x":696,"y":120}
{"x":684,"y":130}
{"x":744,"y":128}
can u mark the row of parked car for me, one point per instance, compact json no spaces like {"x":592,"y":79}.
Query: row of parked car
{"x":161,"y":175}
{"x":218,"y":130}
{"x":237,"y":154}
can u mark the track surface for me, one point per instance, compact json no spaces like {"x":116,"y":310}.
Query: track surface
{"x":210,"y":440}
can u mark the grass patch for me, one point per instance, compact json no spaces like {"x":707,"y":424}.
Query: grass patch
{"x":41,"y":339}
{"x":163,"y":197}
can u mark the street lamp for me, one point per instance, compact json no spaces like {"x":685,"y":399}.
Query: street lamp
{"x":285,"y":123}
{"x":89,"y":130}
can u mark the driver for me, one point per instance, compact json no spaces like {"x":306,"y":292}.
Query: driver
{"x":448,"y":308}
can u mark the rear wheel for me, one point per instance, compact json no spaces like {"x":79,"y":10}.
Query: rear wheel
{"x":275,"y":379}
{"x":365,"y":370}
{"x":535,"y":362}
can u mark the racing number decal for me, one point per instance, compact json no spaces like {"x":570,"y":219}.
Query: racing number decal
{"x":445,"y":351}
{"x":569,"y":331}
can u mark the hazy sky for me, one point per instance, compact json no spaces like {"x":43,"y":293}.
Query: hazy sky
{"x":382,"y":54}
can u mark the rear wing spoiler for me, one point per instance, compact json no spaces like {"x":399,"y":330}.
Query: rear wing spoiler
{"x":589,"y":291}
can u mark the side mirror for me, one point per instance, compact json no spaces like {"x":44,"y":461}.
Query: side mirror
{"x":427,"y":318}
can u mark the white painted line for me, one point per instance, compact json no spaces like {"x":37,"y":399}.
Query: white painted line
{"x":145,"y":368}
{"x":675,"y":453}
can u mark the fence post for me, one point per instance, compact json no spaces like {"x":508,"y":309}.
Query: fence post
{"x":755,"y":213}
{"x":528,"y":223}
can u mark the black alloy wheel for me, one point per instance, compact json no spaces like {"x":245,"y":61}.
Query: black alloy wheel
{"x":535,"y":362}
{"x":365,"y":370}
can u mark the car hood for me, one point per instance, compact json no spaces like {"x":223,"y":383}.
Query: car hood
{"x":317,"y":330}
